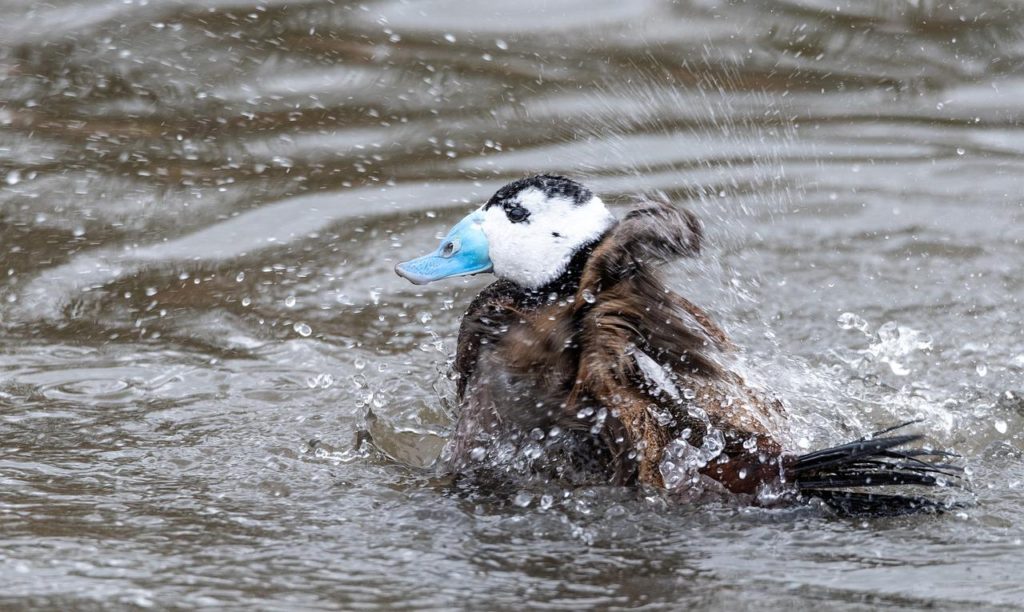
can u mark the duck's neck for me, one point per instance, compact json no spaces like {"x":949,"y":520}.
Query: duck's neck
{"x":565,"y":284}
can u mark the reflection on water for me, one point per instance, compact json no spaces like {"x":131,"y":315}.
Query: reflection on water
{"x":200,"y":207}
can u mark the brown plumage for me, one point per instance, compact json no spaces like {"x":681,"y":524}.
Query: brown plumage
{"x":558,"y":355}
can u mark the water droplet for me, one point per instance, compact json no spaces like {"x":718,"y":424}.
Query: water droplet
{"x":302,"y":329}
{"x":689,"y":394}
{"x":425,"y":317}
{"x":501,"y":44}
{"x":981,"y":369}
{"x":588,"y":296}
{"x":240,"y":277}
{"x":359,"y":364}
{"x":450,"y":38}
{"x":522,"y":499}
{"x":1000,"y":426}
{"x":898,"y":368}
{"x":13,"y":177}
{"x":478,"y":453}
{"x":546,"y":501}
{"x":960,"y":151}
{"x":150,"y":291}
{"x":246,"y":301}
{"x":289,"y":301}
{"x":849,"y":320}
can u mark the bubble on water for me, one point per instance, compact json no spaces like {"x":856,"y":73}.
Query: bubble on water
{"x":532,"y":451}
{"x":501,"y":44}
{"x":898,"y":368}
{"x":599,"y":419}
{"x":960,"y":151}
{"x":320,"y":381}
{"x":375,"y":295}
{"x":713,"y":445}
{"x":246,"y":301}
{"x":78,"y":232}
{"x":13,"y":177}
{"x":450,"y":38}
{"x":849,"y":320}
{"x":359,"y":364}
{"x":150,"y":291}
{"x":289,"y":301}
{"x":689,"y":394}
{"x":895,"y":342}
{"x":981,"y":369}
{"x":546,"y":501}
{"x":240,"y":277}
{"x":302,"y":329}
{"x":663,"y":417}
{"x":522,"y":499}
{"x":1000,"y":426}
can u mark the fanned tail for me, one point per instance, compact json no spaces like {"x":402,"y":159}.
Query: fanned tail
{"x":876,"y":461}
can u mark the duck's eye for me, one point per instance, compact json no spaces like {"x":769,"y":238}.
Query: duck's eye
{"x":517,"y":214}
{"x":449,"y":248}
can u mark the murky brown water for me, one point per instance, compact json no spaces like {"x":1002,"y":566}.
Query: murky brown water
{"x":200,"y":207}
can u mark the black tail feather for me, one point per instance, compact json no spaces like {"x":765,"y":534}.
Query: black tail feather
{"x":875,"y":461}
{"x":849,"y":503}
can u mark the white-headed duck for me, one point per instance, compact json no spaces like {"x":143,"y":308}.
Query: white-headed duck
{"x":579,"y":363}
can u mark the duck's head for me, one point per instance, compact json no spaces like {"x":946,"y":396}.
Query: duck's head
{"x":527,"y":233}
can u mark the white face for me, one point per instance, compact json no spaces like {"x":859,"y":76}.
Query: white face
{"x":535,"y":251}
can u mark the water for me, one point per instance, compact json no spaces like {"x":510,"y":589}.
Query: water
{"x":201,"y":204}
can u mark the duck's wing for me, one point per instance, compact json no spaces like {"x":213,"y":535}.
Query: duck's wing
{"x":650,"y":234}
{"x":620,"y":286}
{"x":630,"y":322}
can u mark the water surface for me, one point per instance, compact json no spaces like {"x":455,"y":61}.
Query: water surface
{"x":201,"y":204}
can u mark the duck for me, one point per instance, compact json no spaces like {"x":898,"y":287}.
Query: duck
{"x":581,"y":365}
